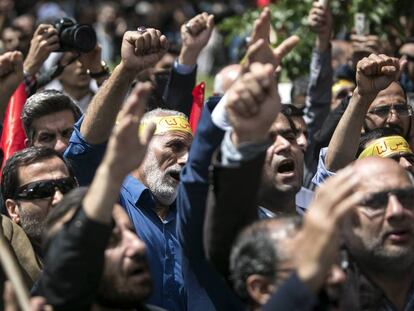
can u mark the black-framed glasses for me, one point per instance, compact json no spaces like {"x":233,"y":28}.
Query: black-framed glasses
{"x":402,"y":110}
{"x":377,"y":202}
{"x":42,"y":189}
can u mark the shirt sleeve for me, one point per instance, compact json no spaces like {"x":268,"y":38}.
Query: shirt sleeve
{"x":318,"y":100}
{"x":183,"y":69}
{"x":230,"y":155}
{"x":322,"y":173}
{"x":83,"y":157}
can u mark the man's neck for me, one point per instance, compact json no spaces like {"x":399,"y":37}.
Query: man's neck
{"x":279,"y":202}
{"x":395,"y":286}
{"x":162,"y":210}
{"x":76,"y":92}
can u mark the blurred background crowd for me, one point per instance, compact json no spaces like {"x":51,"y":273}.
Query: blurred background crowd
{"x":391,"y":22}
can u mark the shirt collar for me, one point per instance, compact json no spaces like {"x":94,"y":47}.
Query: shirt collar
{"x":136,"y":190}
{"x":139,"y":194}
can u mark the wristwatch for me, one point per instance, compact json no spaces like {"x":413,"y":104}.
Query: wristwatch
{"x":104,"y":71}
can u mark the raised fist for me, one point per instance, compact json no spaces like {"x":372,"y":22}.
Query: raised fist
{"x":197,"y":31}
{"x":253,"y":103}
{"x":320,"y":19}
{"x":11,"y":72}
{"x":376,"y":72}
{"x":142,"y":49}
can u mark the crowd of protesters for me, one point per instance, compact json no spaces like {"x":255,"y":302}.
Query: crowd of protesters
{"x":123,"y":189}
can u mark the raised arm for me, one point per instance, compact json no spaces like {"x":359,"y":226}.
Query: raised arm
{"x":321,"y":74}
{"x":374,"y":73}
{"x":252,"y":107}
{"x":317,"y":243}
{"x":11,"y":75}
{"x":81,"y":248}
{"x":260,"y":50}
{"x":195,"y":35}
{"x":124,"y":153}
{"x":139,"y":51}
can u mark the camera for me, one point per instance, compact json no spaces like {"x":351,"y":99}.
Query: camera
{"x":75,"y":37}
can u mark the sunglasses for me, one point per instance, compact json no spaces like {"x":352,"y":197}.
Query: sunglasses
{"x":45,"y":188}
{"x":402,"y":110}
{"x":377,"y":202}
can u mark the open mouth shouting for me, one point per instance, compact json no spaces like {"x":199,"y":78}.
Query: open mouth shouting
{"x":286,"y":167}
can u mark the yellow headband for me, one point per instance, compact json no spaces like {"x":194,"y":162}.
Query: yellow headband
{"x":385,"y":147}
{"x":167,"y":124}
{"x":341,"y":84}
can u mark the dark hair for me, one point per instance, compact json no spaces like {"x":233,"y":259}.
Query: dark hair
{"x":292,"y":111}
{"x":10,"y":177}
{"x":369,"y":136}
{"x":44,"y":103}
{"x":255,"y":252}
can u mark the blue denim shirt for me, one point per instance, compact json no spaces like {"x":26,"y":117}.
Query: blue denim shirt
{"x":163,"y":249}
{"x":160,"y":237}
{"x":322,"y":173}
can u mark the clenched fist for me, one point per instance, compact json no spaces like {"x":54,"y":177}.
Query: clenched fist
{"x":142,"y":50}
{"x":376,"y":73}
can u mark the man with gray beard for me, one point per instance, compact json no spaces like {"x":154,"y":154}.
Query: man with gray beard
{"x":379,"y":236}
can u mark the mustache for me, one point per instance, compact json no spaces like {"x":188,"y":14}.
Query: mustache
{"x":175,"y":169}
{"x":396,"y":128}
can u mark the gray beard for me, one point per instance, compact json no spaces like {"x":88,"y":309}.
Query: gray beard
{"x":377,"y":261}
{"x":163,"y":190}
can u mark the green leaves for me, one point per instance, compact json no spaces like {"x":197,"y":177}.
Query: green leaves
{"x":290,"y":17}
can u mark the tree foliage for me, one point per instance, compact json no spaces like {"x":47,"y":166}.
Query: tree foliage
{"x":391,"y":20}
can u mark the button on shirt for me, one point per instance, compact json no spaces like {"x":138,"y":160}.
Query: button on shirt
{"x":160,"y":237}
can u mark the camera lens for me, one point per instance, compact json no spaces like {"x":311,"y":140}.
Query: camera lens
{"x":81,"y":38}
{"x":84,"y":38}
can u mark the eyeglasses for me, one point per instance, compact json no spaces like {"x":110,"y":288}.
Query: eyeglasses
{"x":45,"y":188}
{"x":377,"y":202}
{"x":402,"y":110}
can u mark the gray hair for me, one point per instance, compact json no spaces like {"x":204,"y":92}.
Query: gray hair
{"x":159,"y":112}
{"x":256,"y":251}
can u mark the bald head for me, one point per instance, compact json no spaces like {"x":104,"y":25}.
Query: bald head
{"x":225,"y":78}
{"x":377,"y":174}
{"x":380,"y":233}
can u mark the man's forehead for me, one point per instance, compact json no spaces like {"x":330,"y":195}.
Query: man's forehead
{"x":393,"y":94}
{"x":173,"y":135}
{"x":56,"y":120}
{"x":281,"y":124}
{"x":378,"y":174}
{"x":50,"y":168}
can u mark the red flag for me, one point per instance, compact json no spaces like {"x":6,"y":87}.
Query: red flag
{"x":197,"y":107}
{"x":263,"y":3}
{"x":13,"y":136}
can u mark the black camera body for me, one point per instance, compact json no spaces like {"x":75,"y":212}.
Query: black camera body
{"x":75,"y":37}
